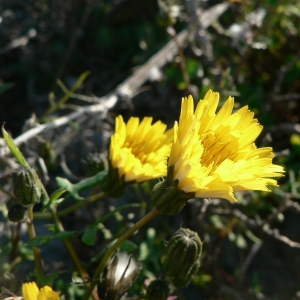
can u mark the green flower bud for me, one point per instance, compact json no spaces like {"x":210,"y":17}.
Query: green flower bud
{"x":114,"y":185}
{"x":96,"y":163}
{"x":16,"y":213}
{"x":158,"y":289}
{"x":183,"y":257}
{"x":118,"y":276}
{"x":27,"y":187}
{"x":167,"y":198}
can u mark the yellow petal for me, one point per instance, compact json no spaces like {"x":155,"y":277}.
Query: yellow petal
{"x":46,"y":293}
{"x":30,"y":291}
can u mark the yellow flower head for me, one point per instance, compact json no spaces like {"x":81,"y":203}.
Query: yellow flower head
{"x":30,"y":291}
{"x":139,"y":149}
{"x":138,"y":152}
{"x":213,"y":154}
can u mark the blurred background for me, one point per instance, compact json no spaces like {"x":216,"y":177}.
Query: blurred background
{"x":139,"y":58}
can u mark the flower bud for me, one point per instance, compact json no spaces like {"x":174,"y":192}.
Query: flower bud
{"x":96,"y":163}
{"x":16,"y":213}
{"x":27,"y":187}
{"x":183,"y":257}
{"x":118,"y":276}
{"x":167,"y":198}
{"x":114,"y":185}
{"x":158,"y":289}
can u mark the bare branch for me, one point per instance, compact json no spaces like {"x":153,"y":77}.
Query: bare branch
{"x":257,"y":225}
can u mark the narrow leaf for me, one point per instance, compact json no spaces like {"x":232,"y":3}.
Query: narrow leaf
{"x":14,"y":149}
{"x":56,"y":194}
{"x":69,"y":186}
{"x":84,"y":184}
{"x":39,"y":241}
{"x":128,"y":246}
{"x":89,"y":235}
{"x":63,"y":235}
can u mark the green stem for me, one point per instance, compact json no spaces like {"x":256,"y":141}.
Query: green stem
{"x":32,"y":234}
{"x":84,"y":275}
{"x":68,"y":210}
{"x":67,"y":243}
{"x":114,"y":248}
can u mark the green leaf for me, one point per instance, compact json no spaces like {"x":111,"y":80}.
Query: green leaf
{"x":50,"y":227}
{"x":128,"y":246}
{"x":45,"y":239}
{"x":14,"y":149}
{"x":56,"y":194}
{"x":89,"y":235}
{"x":45,"y":279}
{"x":54,"y":198}
{"x":84,"y":184}
{"x":91,"y":181}
{"x":39,"y":241}
{"x":63,"y":235}
{"x":69,"y":186}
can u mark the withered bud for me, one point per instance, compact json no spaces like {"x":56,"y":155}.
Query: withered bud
{"x":118,"y":276}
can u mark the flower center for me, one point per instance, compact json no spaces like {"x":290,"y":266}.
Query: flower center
{"x":217,"y":149}
{"x":138,"y":150}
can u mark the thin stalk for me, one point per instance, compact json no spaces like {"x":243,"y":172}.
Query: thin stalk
{"x":83,"y":274}
{"x":67,"y":243}
{"x":114,"y":248}
{"x":32,"y":234}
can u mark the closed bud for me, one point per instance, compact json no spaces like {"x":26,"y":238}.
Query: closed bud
{"x":16,"y":213}
{"x":27,"y":187}
{"x":183,"y":257}
{"x":118,"y":276}
{"x":114,"y":185}
{"x":167,"y":198}
{"x":158,"y":289}
{"x":96,"y":163}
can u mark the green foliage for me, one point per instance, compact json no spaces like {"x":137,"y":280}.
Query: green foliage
{"x":84,"y":184}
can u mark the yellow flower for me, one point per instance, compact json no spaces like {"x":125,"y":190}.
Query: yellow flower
{"x":30,"y":291}
{"x":139,"y":149}
{"x":214,"y":154}
{"x":138,"y":152}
